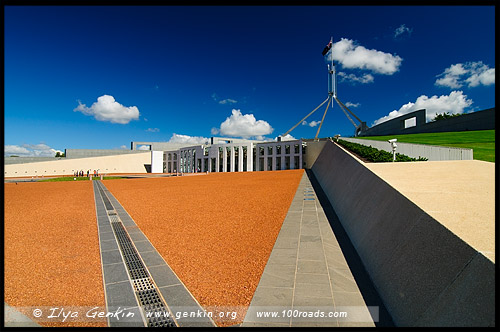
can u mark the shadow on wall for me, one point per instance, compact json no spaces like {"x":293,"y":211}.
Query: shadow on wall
{"x":424,"y":274}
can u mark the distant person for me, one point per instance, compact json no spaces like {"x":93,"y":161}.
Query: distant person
{"x":88,"y":172}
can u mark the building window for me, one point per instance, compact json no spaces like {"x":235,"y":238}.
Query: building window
{"x":269,"y":150}
{"x":287,"y":149}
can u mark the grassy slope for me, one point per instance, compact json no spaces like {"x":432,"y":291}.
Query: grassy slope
{"x":481,"y":141}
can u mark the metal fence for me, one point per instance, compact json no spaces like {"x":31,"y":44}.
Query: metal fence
{"x":431,"y":152}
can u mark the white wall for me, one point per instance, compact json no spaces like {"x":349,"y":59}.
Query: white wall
{"x":128,"y":163}
{"x":156,"y":161}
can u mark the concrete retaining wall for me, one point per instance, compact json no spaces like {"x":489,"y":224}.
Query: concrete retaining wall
{"x":480,"y":120}
{"x":128,"y":163}
{"x":424,"y":273}
{"x":431,"y":152}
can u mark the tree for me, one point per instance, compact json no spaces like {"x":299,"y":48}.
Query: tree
{"x":59,"y":154}
{"x":444,"y":116}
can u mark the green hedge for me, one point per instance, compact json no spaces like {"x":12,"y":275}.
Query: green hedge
{"x":375,"y":155}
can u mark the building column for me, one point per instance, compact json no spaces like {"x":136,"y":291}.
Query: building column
{"x":231,"y":162}
{"x":224,"y":159}
{"x":274,"y":158}
{"x":240,"y":158}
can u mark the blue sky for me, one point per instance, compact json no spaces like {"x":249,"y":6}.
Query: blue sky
{"x":97,"y":77}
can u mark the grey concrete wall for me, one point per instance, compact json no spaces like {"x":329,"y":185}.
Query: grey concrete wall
{"x":481,"y":120}
{"x":24,"y":160}
{"x":313,"y":150}
{"x":431,"y":152}
{"x":425,"y":274}
{"x":88,"y":153}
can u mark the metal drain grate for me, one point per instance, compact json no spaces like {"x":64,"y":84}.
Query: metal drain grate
{"x":155,"y":311}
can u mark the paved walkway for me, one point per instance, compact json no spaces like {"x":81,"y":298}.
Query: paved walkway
{"x":14,"y":318}
{"x":125,"y":286}
{"x":307,"y":273}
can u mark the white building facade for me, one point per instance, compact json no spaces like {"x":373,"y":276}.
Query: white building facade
{"x":233,"y":155}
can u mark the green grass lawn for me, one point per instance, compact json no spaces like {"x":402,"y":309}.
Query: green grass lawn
{"x":481,"y":141}
{"x":80,"y":178}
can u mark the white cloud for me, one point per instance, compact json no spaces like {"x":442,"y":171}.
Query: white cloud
{"x":246,"y":126}
{"x":177,"y":138}
{"x":227,"y":101}
{"x":107,"y":109}
{"x":455,"y":102}
{"x":366,"y":78}
{"x":311,"y":124}
{"x":153,"y":130}
{"x":124,"y":147}
{"x":223,"y":101}
{"x":287,"y":137}
{"x":357,"y":56}
{"x":401,"y":30}
{"x":144,"y":147}
{"x":470,"y":73}
{"x":30,"y":150}
{"x":349,"y":104}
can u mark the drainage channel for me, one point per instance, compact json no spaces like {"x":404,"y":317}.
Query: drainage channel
{"x":154,"y":307}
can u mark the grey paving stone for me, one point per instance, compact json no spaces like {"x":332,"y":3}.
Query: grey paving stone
{"x":308,"y":301}
{"x":111,"y":256}
{"x":342,"y":280}
{"x":283,"y":256}
{"x":348,"y":299}
{"x":312,"y":278}
{"x":286,"y":242}
{"x":278,"y":276}
{"x":127,"y":222}
{"x":105,"y":228}
{"x":310,"y":230}
{"x":312,"y":290}
{"x":317,"y":245}
{"x":152,"y":258}
{"x":312,"y":254}
{"x":310,"y":238}
{"x":114,"y":273}
{"x":163,"y":276}
{"x":138,"y":237}
{"x":133,"y":229}
{"x":144,"y":246}
{"x":121,"y":294}
{"x":304,"y":266}
{"x":272,"y":296}
{"x":106,"y":236}
{"x":109,"y":245}
{"x":125,"y":319}
{"x":178,"y":299}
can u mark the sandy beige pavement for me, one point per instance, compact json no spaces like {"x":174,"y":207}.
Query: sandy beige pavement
{"x":460,"y":194}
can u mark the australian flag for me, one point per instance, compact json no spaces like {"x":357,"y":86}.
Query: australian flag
{"x":327,"y":48}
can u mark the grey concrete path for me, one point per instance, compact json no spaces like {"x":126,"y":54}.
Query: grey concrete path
{"x":14,"y":318}
{"x":119,"y":288}
{"x":307,"y":274}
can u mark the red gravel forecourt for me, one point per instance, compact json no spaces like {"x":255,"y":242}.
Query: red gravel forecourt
{"x":216,"y":231}
{"x":51,"y":250}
